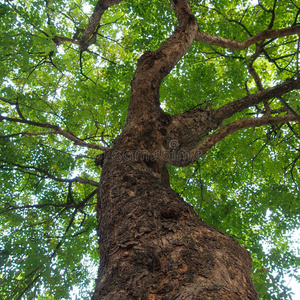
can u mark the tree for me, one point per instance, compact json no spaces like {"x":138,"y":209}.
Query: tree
{"x":203,"y":91}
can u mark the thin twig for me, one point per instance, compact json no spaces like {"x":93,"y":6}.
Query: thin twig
{"x":57,"y":129}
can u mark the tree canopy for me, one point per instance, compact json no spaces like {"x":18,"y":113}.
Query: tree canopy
{"x":66,"y":70}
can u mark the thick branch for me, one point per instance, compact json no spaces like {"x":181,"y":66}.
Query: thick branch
{"x":90,"y":30}
{"x":210,"y":39}
{"x":57,"y":129}
{"x":188,"y":128}
{"x":253,"y":73}
{"x":152,"y":67}
{"x":229,"y":109}
{"x":89,"y":33}
{"x":224,"y":131}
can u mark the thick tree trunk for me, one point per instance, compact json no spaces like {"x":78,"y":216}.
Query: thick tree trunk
{"x":152,"y":244}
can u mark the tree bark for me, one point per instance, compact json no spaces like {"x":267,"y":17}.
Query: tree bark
{"x":153,"y":245}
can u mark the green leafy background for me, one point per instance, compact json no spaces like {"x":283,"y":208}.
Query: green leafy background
{"x":246,"y":186}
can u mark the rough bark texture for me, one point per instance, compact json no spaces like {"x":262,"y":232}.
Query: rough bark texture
{"x":153,"y":245}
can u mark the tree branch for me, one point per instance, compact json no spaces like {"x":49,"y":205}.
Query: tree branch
{"x":210,"y":39}
{"x":224,"y":131}
{"x":253,"y":73}
{"x":152,"y":67}
{"x":289,"y":108}
{"x":57,"y":129}
{"x":229,"y":109}
{"x":89,"y":34}
{"x":80,"y":205}
{"x":27,"y":133}
{"x":53,"y":254}
{"x":191,"y":126}
{"x":48,"y":175}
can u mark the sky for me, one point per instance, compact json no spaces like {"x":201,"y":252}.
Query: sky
{"x":292,"y":283}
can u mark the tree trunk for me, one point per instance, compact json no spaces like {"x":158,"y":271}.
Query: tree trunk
{"x":152,"y":244}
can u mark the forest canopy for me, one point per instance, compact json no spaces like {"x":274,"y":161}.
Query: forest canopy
{"x":65,"y":90}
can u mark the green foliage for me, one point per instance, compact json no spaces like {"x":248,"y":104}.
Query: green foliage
{"x":246,"y":186}
{"x":253,"y":195}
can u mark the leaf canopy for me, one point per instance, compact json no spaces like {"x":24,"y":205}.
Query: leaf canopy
{"x":247,"y":185}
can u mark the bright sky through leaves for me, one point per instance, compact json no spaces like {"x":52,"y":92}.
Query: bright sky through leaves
{"x":247,"y":185}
